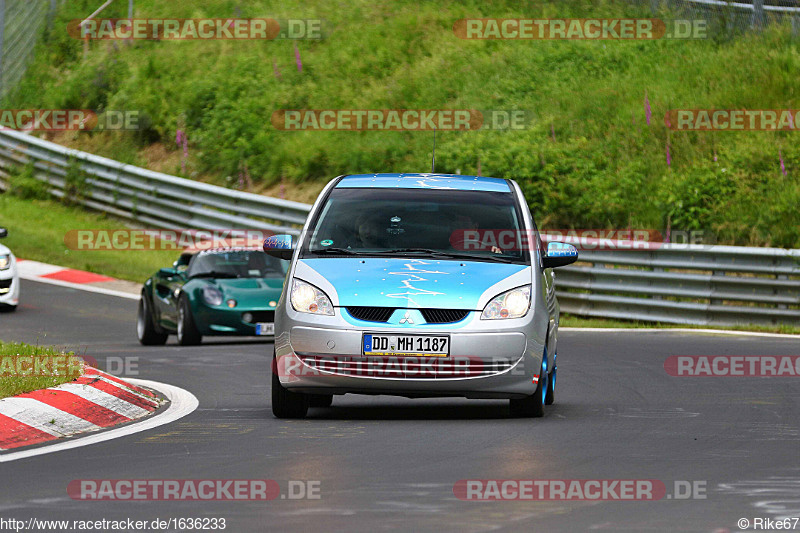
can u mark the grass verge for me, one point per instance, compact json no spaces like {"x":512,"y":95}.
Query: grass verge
{"x":19,"y":362}
{"x":36,"y":230}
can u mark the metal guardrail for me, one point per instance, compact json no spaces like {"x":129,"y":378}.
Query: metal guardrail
{"x":147,"y":197}
{"x":733,"y":16}
{"x":688,"y":284}
{"x":685,"y":284}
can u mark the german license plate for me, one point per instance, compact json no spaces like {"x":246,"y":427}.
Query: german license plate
{"x":265,"y":328}
{"x":411,"y":345}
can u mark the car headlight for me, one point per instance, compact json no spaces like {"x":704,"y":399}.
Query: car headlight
{"x":306,"y":298}
{"x":212,"y":295}
{"x":511,"y":304}
{"x":5,"y":262}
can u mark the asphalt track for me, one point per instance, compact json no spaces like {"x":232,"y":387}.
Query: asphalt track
{"x":389,"y":463}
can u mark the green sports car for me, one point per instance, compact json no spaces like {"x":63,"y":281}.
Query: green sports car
{"x":211,"y":292}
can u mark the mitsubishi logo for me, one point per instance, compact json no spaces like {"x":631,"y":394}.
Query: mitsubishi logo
{"x":407,"y":319}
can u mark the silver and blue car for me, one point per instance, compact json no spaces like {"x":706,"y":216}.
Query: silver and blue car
{"x":9,"y":277}
{"x":417,"y":285}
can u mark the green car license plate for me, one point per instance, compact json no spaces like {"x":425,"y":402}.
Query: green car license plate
{"x":265,"y":328}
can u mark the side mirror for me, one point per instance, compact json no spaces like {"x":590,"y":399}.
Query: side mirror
{"x":167,"y":272}
{"x":559,"y":254}
{"x":279,"y":246}
{"x":3,"y":233}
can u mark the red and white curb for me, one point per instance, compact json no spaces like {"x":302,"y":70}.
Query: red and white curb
{"x":181,"y":403}
{"x":77,"y":279}
{"x":92,"y":402}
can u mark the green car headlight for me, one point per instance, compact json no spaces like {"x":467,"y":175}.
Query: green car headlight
{"x":511,"y":304}
{"x":212,"y":295}
{"x":5,"y":262}
{"x":306,"y":298}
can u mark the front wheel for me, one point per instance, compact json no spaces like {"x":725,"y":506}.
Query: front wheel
{"x":287,"y":404}
{"x":145,"y":326}
{"x":533,"y":405}
{"x":187,"y":329}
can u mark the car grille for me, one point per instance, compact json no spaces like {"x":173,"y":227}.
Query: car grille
{"x":431,"y":316}
{"x":261,"y":316}
{"x":405,"y":367}
{"x":371,"y":314}
{"x":443,"y":316}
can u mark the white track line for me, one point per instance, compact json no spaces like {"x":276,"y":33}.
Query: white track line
{"x":182,"y":403}
{"x":38,"y":414}
{"x":81,"y":287}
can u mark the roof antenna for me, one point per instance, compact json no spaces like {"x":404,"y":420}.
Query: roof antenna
{"x":433,"y":154}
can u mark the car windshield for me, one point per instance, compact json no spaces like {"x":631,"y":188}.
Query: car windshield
{"x":235,"y":264}
{"x":438,"y":223}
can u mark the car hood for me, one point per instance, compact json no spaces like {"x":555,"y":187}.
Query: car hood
{"x":4,"y":250}
{"x":411,"y":282}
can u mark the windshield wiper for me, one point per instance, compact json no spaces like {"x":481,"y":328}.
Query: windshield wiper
{"x":214,"y":274}
{"x":335,"y":251}
{"x":449,"y":255}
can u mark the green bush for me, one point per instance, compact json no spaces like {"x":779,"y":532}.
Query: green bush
{"x":23,"y":184}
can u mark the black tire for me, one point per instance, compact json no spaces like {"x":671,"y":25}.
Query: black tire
{"x":551,"y":388}
{"x":286,"y":404}
{"x":8,"y":308}
{"x":146,"y":330}
{"x":187,"y":329}
{"x":320,"y":400}
{"x":533,"y":405}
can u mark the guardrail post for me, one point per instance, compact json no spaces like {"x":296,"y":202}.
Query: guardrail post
{"x":781,"y":276}
{"x":715,"y":274}
{"x":757,"y":22}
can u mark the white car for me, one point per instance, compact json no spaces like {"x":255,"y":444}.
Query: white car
{"x":9,"y":277}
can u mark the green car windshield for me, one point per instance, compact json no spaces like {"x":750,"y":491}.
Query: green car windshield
{"x":235,"y":264}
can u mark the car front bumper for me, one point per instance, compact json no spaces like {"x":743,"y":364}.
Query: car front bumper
{"x":488,"y":359}
{"x":229,"y":321}
{"x":9,"y":287}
